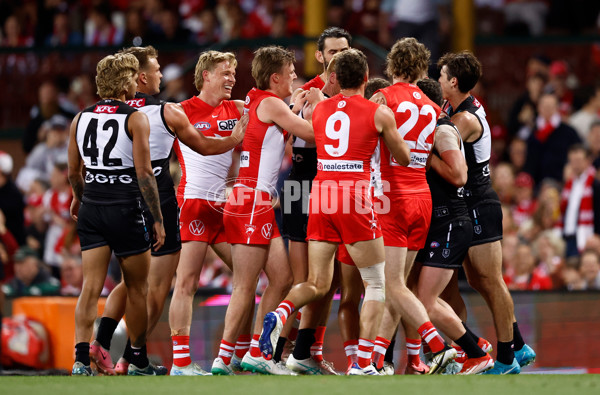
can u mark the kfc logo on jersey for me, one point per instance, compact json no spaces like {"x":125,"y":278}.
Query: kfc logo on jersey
{"x":105,"y":109}
{"x":226,"y":125}
{"x":267,"y":231}
{"x":196,"y":227}
{"x":202,"y":126}
{"x":417,"y":95}
{"x":341,"y":104}
{"x":250,"y":229}
{"x":245,"y":159}
{"x":137,"y":103}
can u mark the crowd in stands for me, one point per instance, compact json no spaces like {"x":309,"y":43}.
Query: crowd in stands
{"x":544,"y":167}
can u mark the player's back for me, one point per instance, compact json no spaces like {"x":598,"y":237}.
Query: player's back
{"x":346,"y":137}
{"x":204,"y":177}
{"x":416,"y":116}
{"x":106,"y":148}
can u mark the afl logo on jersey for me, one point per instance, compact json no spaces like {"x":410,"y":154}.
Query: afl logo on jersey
{"x":267,"y":231}
{"x":202,"y":126}
{"x":417,"y":95}
{"x":196,"y":227}
{"x":341,"y":104}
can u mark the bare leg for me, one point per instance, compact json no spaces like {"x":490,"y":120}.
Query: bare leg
{"x":162,"y":270}
{"x":135,"y":275}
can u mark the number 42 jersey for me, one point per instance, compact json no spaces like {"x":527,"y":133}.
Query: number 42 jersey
{"x":106,"y":147}
{"x":416,"y":117}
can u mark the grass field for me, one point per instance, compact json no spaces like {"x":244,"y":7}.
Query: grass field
{"x":306,"y":385}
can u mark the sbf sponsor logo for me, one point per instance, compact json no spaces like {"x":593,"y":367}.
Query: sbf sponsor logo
{"x":105,"y":109}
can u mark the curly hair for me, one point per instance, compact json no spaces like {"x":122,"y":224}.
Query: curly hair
{"x":143,"y":54}
{"x":113,"y":74}
{"x":268,"y":61}
{"x":408,"y":59}
{"x":464,"y":66}
{"x":350,"y":68}
{"x":208,"y":61}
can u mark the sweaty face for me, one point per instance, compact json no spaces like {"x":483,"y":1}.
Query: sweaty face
{"x":153,"y":76}
{"x":331,"y":46}
{"x":221,"y":79}
{"x":287,"y":77}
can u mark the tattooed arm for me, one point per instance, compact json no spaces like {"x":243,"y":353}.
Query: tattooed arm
{"x":75,"y":168}
{"x":140,"y":130}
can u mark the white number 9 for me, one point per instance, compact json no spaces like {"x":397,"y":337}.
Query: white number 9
{"x":342,"y":134}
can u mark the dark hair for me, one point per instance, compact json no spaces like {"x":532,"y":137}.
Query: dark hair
{"x":332,"y":32}
{"x":267,"y":61}
{"x":375,"y":84}
{"x":350,"y":68}
{"x":143,"y":54}
{"x":580,"y":147}
{"x":432,"y":89}
{"x":464,"y":66}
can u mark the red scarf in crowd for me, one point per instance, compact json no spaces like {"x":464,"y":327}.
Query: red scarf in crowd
{"x":586,"y":206}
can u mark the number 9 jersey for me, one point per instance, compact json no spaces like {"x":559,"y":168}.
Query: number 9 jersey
{"x":106,"y":147}
{"x":416,"y":117}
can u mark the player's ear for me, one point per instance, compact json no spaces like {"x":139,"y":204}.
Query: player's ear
{"x":319,"y":57}
{"x":143,"y":77}
{"x":205,"y":74}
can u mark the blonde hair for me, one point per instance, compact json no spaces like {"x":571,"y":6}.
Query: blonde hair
{"x":208,"y":61}
{"x":408,"y":59}
{"x":113,"y":74}
{"x":268,"y":61}
{"x":331,"y":66}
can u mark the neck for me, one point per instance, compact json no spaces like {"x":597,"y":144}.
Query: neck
{"x":396,"y":80}
{"x":353,"y":91}
{"x":119,"y":98}
{"x":455,"y":100}
{"x":211,"y":99}
{"x":329,"y":90}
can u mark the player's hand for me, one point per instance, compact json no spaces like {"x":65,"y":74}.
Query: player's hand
{"x":74,"y":210}
{"x":240,"y":128}
{"x":299,"y":101}
{"x":159,"y":235}
{"x":315,"y":96}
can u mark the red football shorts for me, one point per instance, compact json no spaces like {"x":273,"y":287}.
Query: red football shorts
{"x":249,"y":217}
{"x":343,"y":256}
{"x":201,"y":220}
{"x":406,"y":221}
{"x":341,"y":216}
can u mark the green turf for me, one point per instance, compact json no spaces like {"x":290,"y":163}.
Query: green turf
{"x":245,"y":385}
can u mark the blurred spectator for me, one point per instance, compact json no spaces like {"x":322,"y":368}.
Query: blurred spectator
{"x":538,"y":64}
{"x":547,"y":147}
{"x":524,"y":202}
{"x":279,"y":26}
{"x":503,"y":181}
{"x":524,"y":274}
{"x":208,"y":30}
{"x":82,"y":92}
{"x":508,"y":223}
{"x":427,"y":20}
{"x":8,"y":246}
{"x":215,"y":274}
{"x":57,"y":203}
{"x":294,"y":16}
{"x":517,"y":154}
{"x":49,"y":105}
{"x":41,"y":161}
{"x":572,"y":279}
{"x":366,"y":21}
{"x":99,"y":28}
{"x":35,"y":222}
{"x":171,"y":31}
{"x":61,"y":32}
{"x":525,"y":17}
{"x":589,"y":269}
{"x":593,"y":143}
{"x":510,"y":242}
{"x":582,"y":120}
{"x":547,"y":212}
{"x":136,"y":31}
{"x":550,"y":250}
{"x":173,"y":84}
{"x":13,"y":34}
{"x":259,"y":20}
{"x":521,"y":119}
{"x":561,"y":83}
{"x":580,"y":201}
{"x":31,"y":278}
{"x":71,"y":277}
{"x":12,"y":203}
{"x":231,"y":18}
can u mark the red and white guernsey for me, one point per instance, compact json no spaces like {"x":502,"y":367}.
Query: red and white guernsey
{"x":346,"y":137}
{"x":263,"y":148}
{"x":416,"y":116}
{"x":203,"y":177}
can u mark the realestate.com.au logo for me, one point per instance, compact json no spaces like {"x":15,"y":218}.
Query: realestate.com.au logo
{"x":248,"y":197}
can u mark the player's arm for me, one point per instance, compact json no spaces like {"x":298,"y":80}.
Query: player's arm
{"x":178,"y":122}
{"x":386,"y":125}
{"x":75,"y":169}
{"x":140,"y":130}
{"x":468,"y":125}
{"x":275,"y":110}
{"x":451,"y":164}
{"x":379,"y":98}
